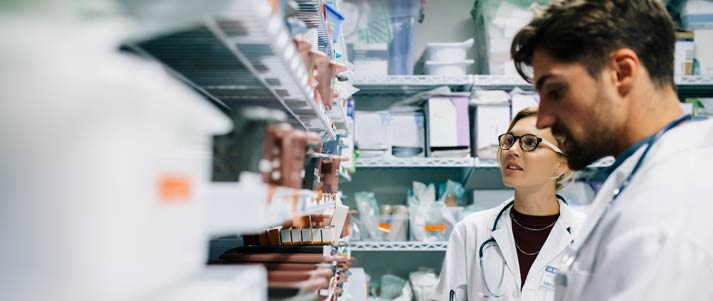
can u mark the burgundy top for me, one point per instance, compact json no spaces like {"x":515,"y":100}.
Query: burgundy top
{"x":528,"y":242}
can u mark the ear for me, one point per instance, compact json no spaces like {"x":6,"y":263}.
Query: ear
{"x":625,"y":65}
{"x":560,"y":168}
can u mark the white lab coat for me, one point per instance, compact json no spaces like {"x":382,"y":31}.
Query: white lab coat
{"x":655,"y":242}
{"x":462,"y":264}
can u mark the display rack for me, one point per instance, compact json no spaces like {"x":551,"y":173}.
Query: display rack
{"x":397,"y":246}
{"x":243,"y":56}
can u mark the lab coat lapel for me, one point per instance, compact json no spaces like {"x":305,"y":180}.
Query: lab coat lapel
{"x":604,"y":197}
{"x":556,"y":243}
{"x":506,"y":242}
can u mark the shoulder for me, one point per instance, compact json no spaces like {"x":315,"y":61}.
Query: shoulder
{"x":481,"y":219}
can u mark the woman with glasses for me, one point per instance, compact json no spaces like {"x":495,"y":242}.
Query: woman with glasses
{"x":511,"y":252}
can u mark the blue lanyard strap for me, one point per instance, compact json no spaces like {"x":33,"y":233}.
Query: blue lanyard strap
{"x":651,"y":141}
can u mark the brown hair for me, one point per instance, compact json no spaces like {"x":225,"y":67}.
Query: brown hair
{"x":567,"y":176}
{"x":587,"y":31}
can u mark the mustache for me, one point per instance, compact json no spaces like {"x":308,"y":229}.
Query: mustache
{"x":560,"y":132}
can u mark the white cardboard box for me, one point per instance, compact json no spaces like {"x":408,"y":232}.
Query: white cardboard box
{"x":491,"y":120}
{"x":703,"y":53}
{"x":447,"y":122}
{"x":408,"y":131}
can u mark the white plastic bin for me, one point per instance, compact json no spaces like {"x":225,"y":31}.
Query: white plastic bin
{"x":447,"y":68}
{"x":448,"y":52}
{"x":105,"y":163}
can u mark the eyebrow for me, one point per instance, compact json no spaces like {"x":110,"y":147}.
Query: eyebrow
{"x":541,"y":81}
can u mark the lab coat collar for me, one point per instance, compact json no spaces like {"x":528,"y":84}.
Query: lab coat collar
{"x":506,"y":242}
{"x":604,"y":196}
{"x":557,"y":241}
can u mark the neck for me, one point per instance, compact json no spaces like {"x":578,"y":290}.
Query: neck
{"x":539,"y":201}
{"x":650,"y":110}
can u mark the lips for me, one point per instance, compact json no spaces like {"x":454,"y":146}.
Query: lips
{"x":513,"y":166}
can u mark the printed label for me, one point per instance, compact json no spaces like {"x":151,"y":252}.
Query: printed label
{"x":434,"y":228}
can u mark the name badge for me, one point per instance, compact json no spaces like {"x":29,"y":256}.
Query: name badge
{"x":548,"y":277}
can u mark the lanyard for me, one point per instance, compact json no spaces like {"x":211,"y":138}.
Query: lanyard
{"x":651,"y":141}
{"x":572,"y":253}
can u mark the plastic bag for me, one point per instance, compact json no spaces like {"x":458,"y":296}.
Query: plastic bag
{"x":431,"y":220}
{"x":390,"y":288}
{"x":424,"y":284}
{"x":369,"y":212}
{"x":451,"y":193}
{"x":422,"y":194}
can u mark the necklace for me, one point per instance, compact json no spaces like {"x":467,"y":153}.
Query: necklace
{"x":523,"y":252}
{"x":531,"y":229}
{"x":528,"y":228}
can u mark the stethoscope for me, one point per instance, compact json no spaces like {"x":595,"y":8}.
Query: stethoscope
{"x":497,"y":293}
{"x":571,"y":254}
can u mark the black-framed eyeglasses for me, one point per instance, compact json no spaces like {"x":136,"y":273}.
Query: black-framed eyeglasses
{"x":528,"y":142}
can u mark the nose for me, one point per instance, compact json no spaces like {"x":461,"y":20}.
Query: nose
{"x":545,"y":117}
{"x":515,"y":150}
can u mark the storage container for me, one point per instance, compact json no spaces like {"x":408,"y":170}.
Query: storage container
{"x":110,"y":158}
{"x":448,"y":52}
{"x":448,"y":68}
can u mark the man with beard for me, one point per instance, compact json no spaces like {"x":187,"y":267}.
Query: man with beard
{"x":604,"y":72}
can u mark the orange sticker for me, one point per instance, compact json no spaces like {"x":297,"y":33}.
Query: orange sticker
{"x":434,"y":228}
{"x":174,"y":189}
{"x":384,"y":227}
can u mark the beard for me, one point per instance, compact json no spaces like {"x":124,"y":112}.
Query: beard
{"x":601,"y":141}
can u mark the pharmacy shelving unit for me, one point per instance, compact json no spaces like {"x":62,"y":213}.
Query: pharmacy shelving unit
{"x":390,"y":178}
{"x":242,"y":56}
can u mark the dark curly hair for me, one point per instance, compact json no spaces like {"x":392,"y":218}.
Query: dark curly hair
{"x":587,"y":31}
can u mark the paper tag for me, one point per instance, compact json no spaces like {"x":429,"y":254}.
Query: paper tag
{"x":548,"y":277}
{"x":434,"y":228}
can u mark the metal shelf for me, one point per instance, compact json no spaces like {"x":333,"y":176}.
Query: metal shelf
{"x":338,"y":114}
{"x":409,"y":84}
{"x":242,"y":57}
{"x":311,"y":12}
{"x":397,"y":246}
{"x":500,"y":82}
{"x":268,"y":206}
{"x":449,"y":162}
{"x":413,"y":162}
{"x":694,"y":86}
{"x":403,"y":86}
